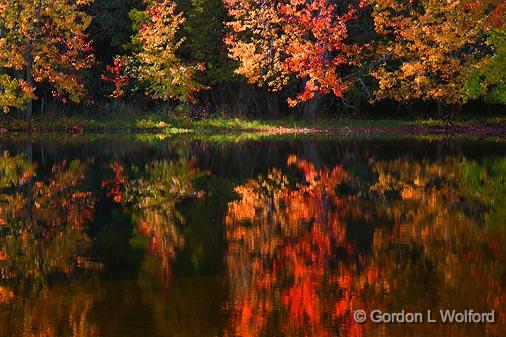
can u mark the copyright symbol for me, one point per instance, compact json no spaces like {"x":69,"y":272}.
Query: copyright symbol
{"x":359,"y":316}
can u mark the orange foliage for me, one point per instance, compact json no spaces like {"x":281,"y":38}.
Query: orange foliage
{"x":430,"y":47}
{"x":318,"y":49}
{"x":282,"y":243}
{"x":5,"y":295}
{"x":275,"y":41}
{"x":116,"y":77}
{"x":116,"y":184}
{"x":47,"y":42}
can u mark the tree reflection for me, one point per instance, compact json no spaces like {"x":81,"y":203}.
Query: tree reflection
{"x":294,"y":268}
{"x":305,"y":247}
{"x":154,"y":197}
{"x":444,"y":224}
{"x":42,"y":226}
{"x":58,"y":310}
{"x":288,"y":260}
{"x":42,"y":222}
{"x":45,"y":239}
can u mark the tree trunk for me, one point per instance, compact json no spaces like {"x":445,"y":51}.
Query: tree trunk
{"x":43,"y":105}
{"x":440,"y":109}
{"x":30,"y":81}
{"x":29,"y":64}
{"x":272,"y":105}
{"x":29,"y":105}
{"x":357,"y":106}
{"x":311,"y":106}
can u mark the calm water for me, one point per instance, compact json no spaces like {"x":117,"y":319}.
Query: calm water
{"x":116,"y":237}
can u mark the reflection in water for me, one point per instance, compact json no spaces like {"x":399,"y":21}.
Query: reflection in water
{"x":288,"y":258}
{"x":42,"y":227}
{"x":154,"y":197}
{"x":105,"y":244}
{"x":294,"y":269}
{"x":42,"y":223}
{"x":56,"y":311}
{"x":447,"y":238}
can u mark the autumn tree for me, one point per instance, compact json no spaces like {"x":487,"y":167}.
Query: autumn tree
{"x":277,"y":41}
{"x":429,"y":48}
{"x":155,"y":62}
{"x":488,"y":81}
{"x":42,"y":42}
{"x":257,"y":41}
{"x":318,"y":50}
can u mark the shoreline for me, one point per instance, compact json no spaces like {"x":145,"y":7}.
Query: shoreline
{"x":150,"y":124}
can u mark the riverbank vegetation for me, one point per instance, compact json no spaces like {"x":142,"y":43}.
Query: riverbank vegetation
{"x":250,"y":59}
{"x":149,"y":125}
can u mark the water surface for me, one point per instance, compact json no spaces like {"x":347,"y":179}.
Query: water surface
{"x":119,"y":237}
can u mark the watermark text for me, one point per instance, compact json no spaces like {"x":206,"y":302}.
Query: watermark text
{"x":429,"y":316}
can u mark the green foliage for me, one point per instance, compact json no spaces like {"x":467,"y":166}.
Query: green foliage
{"x":10,"y":94}
{"x":487,"y":182}
{"x":112,"y":26}
{"x":203,"y":30}
{"x":166,"y":184}
{"x":13,"y":169}
{"x":489,"y":80}
{"x":155,"y":62}
{"x":138,"y":17}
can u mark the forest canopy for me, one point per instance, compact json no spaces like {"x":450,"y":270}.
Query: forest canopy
{"x":251,"y":55}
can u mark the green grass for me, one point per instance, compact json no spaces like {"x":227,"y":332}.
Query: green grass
{"x":161,"y":124}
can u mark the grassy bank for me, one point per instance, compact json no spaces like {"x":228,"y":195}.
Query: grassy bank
{"x":160,"y":124}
